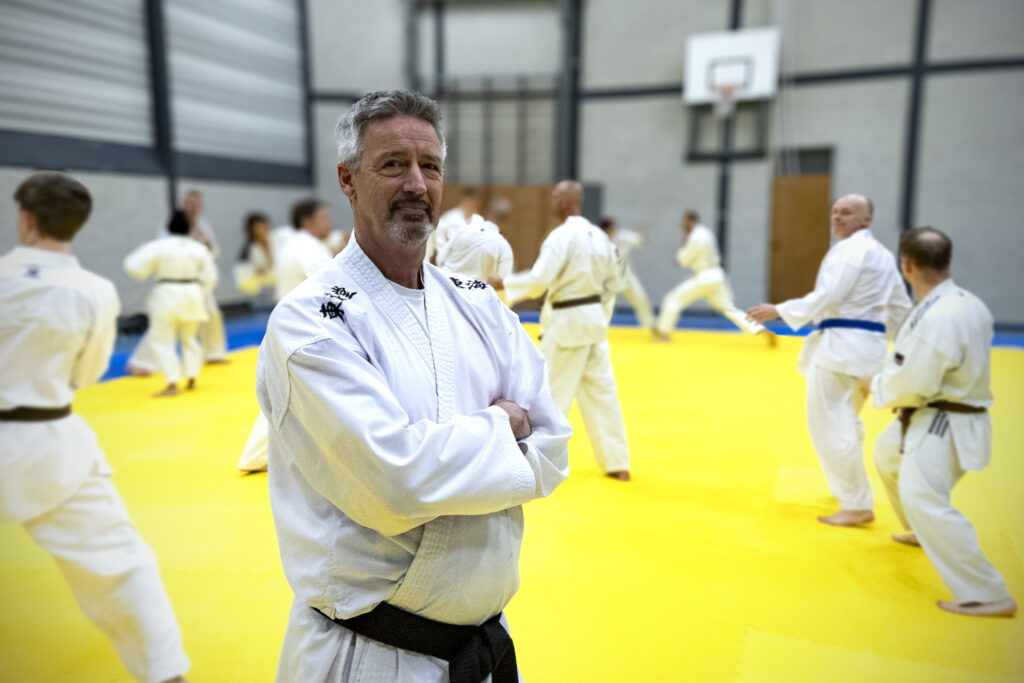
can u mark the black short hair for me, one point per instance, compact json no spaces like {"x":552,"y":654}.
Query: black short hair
{"x":178,"y":225}
{"x":59,"y":203}
{"x":692,"y":215}
{"x":304,"y":209}
{"x":606,"y":223}
{"x":927,"y":248}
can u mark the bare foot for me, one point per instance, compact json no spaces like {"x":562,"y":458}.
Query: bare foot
{"x":907,"y":539}
{"x":177,"y":679}
{"x":191,"y":384}
{"x":169,"y":390}
{"x":659,"y":336}
{"x":999,"y":608}
{"x":219,"y":361}
{"x":849,"y":518}
{"x":136,"y":372}
{"x":621,"y":475}
{"x":773,"y":339}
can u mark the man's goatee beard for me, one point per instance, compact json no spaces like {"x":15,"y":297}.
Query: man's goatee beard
{"x":409,"y":233}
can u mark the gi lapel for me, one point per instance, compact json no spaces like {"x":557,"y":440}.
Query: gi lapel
{"x":440,"y":333}
{"x":380,"y":291}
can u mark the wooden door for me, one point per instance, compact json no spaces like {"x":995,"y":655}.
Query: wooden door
{"x":800,"y":233}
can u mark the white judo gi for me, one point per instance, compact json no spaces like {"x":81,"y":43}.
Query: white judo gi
{"x":256,"y":271}
{"x":700,"y":254}
{"x":448,"y":223}
{"x":940,"y":354}
{"x":57,"y":332}
{"x":301,"y":255}
{"x":392,"y":477}
{"x":185,"y":273}
{"x":577,"y":262}
{"x":477,"y":250}
{"x":626,"y":241}
{"x":857,"y":280}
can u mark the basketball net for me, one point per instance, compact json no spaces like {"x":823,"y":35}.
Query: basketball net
{"x":725,"y":99}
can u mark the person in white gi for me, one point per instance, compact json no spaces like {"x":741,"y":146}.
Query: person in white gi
{"x":410,"y":418}
{"x":306,"y":248}
{"x":625,"y":242}
{"x":301,"y":255}
{"x":254,"y":268}
{"x":938,"y":375}
{"x":143,"y":360}
{"x":858,"y":298}
{"x":184,"y":271}
{"x":57,"y":332}
{"x":451,"y":221}
{"x":477,"y":250}
{"x":578,"y":269}
{"x":700,"y":253}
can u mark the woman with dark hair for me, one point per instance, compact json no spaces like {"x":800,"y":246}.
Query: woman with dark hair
{"x":254,"y":268}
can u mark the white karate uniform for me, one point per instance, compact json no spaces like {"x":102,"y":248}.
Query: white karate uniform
{"x":940,"y":354}
{"x":577,"y":260}
{"x":626,"y":241}
{"x":247,"y":272}
{"x":299,"y":257}
{"x":175,"y":308}
{"x":478,"y":251}
{"x":857,"y":280}
{"x":57,"y":331}
{"x":449,"y":223}
{"x":279,"y":237}
{"x":392,"y":477}
{"x":700,"y":254}
{"x":212,"y":337}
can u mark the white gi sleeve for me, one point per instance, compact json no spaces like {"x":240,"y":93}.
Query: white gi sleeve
{"x":208,"y":274}
{"x":506,"y":261}
{"x":691,"y":252}
{"x":546,"y":268}
{"x":342,"y":427}
{"x":94,"y":357}
{"x":912,"y":375}
{"x":897,"y":308}
{"x":141,"y":263}
{"x":837,"y":276}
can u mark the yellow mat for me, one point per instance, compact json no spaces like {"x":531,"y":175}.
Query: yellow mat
{"x":709,"y":566}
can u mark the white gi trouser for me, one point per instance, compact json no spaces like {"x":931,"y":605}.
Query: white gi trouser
{"x":254,"y":454}
{"x":114,"y":577}
{"x":834,"y":401}
{"x":211,"y":332}
{"x":637,"y":298}
{"x":585,"y":373}
{"x":919,"y":482}
{"x":164,"y":332}
{"x":711,"y":286}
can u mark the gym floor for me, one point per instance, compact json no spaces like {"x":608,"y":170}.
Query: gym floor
{"x":708,"y":566}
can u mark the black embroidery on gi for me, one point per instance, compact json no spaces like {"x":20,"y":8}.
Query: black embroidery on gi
{"x":469,"y":284}
{"x":33,"y":271}
{"x":332,"y":304}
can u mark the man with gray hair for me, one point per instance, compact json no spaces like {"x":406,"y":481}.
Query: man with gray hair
{"x":410,"y":418}
{"x":938,"y":376}
{"x":858,"y":298}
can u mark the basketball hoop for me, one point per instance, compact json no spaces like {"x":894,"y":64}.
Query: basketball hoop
{"x":725,"y":98}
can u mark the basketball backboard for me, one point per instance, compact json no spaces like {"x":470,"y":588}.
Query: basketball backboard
{"x":745,"y":62}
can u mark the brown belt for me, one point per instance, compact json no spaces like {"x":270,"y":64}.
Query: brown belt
{"x":582,"y":301}
{"x":948,"y":406}
{"x":26,"y":414}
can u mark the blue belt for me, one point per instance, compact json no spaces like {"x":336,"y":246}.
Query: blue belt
{"x":850,"y":323}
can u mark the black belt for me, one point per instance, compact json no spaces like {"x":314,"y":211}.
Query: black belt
{"x":26,"y":414}
{"x":949,"y":406}
{"x":472,"y":652}
{"x":851,"y":323}
{"x":582,"y":301}
{"x":176,"y":281}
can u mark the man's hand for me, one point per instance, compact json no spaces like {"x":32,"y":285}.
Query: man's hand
{"x":517,"y":418}
{"x":762,"y":313}
{"x":497,"y":283}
